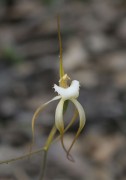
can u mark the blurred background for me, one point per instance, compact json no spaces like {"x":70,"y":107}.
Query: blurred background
{"x":94,"y":52}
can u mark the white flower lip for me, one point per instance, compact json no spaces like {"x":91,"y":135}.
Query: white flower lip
{"x":68,"y":93}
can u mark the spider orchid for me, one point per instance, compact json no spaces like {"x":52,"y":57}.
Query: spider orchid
{"x":65,"y":93}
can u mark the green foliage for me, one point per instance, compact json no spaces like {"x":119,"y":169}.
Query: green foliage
{"x":11,"y":56}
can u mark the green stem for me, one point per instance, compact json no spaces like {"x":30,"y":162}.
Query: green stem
{"x":50,"y":137}
{"x":46,"y":147}
{"x":22,"y":157}
{"x":44,"y":160}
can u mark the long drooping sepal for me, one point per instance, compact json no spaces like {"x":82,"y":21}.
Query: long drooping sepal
{"x":59,"y":121}
{"x":60,"y":124}
{"x":69,"y":156}
{"x":35,"y":116}
{"x":59,"y":117}
{"x":69,"y":125}
{"x":75,"y":115}
{"x":81,"y":124}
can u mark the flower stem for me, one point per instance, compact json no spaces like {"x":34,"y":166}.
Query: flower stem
{"x":44,"y":160}
{"x":46,"y":147}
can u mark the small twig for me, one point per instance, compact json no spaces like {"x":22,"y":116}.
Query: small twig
{"x":22,"y":157}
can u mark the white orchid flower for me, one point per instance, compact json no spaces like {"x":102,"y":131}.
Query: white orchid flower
{"x":65,"y":93}
{"x":70,"y":93}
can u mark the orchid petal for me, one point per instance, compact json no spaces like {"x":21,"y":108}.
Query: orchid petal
{"x":70,"y":124}
{"x":82,"y":121}
{"x":72,"y":120}
{"x":59,"y":121}
{"x":69,"y":156}
{"x":59,"y":117}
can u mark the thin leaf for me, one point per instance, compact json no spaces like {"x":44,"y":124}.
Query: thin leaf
{"x":61,"y":71}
